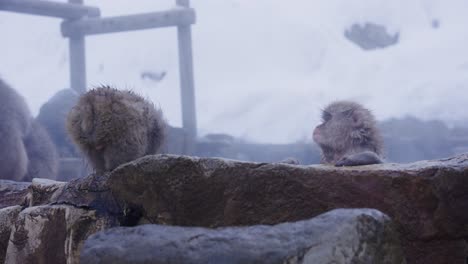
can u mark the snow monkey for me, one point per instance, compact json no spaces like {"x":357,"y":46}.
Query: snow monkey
{"x":348,"y":135}
{"x":112,"y":126}
{"x":26,"y":149}
{"x":53,"y":115}
{"x":42,"y":153}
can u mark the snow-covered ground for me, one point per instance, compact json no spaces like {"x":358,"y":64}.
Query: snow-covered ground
{"x":263,"y":68}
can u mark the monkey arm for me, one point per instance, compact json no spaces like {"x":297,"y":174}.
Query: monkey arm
{"x":13,"y":156}
{"x":361,"y":158}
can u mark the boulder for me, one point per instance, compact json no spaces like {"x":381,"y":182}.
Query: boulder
{"x":41,"y":190}
{"x":426,"y":199}
{"x":13,"y":193}
{"x":8,"y":216}
{"x":51,"y":234}
{"x":339,"y":236}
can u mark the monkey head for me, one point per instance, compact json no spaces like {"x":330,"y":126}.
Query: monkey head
{"x":347,"y":125}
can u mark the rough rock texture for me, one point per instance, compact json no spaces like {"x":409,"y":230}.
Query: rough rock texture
{"x":41,"y":190}
{"x":13,"y":193}
{"x":427,"y":199}
{"x":55,"y":222}
{"x":340,"y":236}
{"x":51,"y":234}
{"x":7,"y":218}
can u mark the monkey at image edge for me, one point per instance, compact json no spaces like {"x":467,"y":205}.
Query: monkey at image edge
{"x":26,"y":151}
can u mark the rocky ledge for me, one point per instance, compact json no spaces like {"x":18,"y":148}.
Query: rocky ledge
{"x":339,"y":236}
{"x":426,"y":200}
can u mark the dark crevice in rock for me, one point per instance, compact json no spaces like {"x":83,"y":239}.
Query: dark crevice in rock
{"x":131,"y":216}
{"x":85,"y":207}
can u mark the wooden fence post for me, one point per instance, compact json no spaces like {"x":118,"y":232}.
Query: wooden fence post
{"x":77,"y":59}
{"x":189,"y":120}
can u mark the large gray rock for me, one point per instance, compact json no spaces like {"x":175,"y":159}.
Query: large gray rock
{"x":8,"y":217}
{"x":340,"y":236}
{"x":13,"y":193}
{"x":41,"y":191}
{"x":427,"y":199}
{"x":51,"y":234}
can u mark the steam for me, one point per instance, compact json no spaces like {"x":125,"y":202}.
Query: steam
{"x":263,"y":69}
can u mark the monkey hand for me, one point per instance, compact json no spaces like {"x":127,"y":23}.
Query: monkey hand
{"x":343,"y":162}
{"x":357,"y":159}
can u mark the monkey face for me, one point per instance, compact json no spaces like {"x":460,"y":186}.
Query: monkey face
{"x":337,"y":128}
{"x":347,"y":125}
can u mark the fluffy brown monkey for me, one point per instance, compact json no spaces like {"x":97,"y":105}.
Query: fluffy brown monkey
{"x":26,"y":149}
{"x":53,"y":115}
{"x":14,"y":124}
{"x":42,"y":154}
{"x":348,"y":135}
{"x":113,"y":126}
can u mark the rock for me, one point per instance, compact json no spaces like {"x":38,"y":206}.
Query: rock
{"x":13,"y":193}
{"x":339,"y":236}
{"x":8,"y":216}
{"x":437,"y":251}
{"x":41,"y":191}
{"x":427,"y":199}
{"x":92,"y":193}
{"x":51,"y":234}
{"x":371,"y":36}
{"x":292,"y":161}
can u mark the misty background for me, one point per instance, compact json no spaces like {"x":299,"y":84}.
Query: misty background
{"x":263,"y":68}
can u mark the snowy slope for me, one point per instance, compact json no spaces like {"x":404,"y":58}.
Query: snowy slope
{"x":263,"y":68}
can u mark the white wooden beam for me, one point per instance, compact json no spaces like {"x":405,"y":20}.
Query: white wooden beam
{"x":173,"y":17}
{"x":49,"y":8}
{"x":77,"y":50}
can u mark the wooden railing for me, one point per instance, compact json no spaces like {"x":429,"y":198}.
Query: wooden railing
{"x":81,"y":20}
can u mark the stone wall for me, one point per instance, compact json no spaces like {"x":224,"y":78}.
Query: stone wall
{"x":426,"y":200}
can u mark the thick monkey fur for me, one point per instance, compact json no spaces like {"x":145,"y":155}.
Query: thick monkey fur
{"x":26,"y":149}
{"x":348,"y":135}
{"x":53,"y":115}
{"x":112,"y":127}
{"x":43,"y":156}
